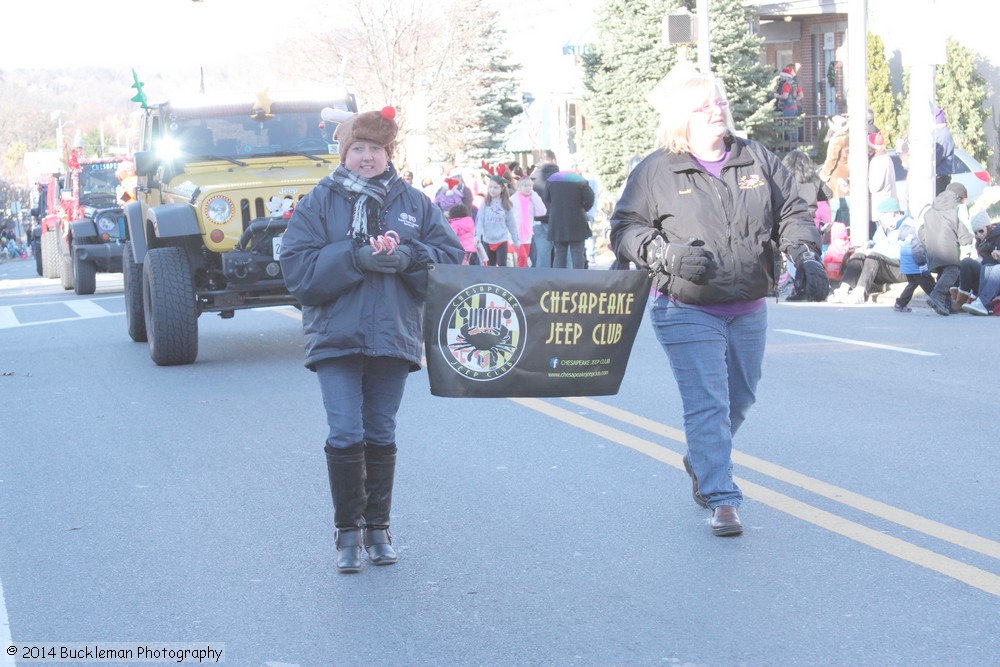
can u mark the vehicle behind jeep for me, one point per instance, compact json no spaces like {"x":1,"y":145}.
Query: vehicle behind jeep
{"x":81,"y":224}
{"x":217,"y":181}
{"x":93,"y":238}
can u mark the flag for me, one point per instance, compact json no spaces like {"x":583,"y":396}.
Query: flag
{"x":497,"y":331}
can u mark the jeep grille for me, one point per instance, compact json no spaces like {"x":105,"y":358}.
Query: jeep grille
{"x":252,"y":209}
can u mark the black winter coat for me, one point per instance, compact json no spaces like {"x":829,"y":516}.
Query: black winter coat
{"x":345,"y":310}
{"x":539,"y":177}
{"x":989,"y":243}
{"x":746,"y":218}
{"x":567,"y":199}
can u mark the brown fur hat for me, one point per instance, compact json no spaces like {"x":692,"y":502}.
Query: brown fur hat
{"x":378,"y":127}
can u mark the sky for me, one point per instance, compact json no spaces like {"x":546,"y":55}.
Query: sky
{"x":113,"y":33}
{"x":186,"y":34}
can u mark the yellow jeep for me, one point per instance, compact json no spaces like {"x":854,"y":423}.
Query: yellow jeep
{"x":216,"y":182}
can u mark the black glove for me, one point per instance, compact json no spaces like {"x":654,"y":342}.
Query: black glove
{"x":404,"y":258}
{"x":688,"y":261}
{"x":810,"y":275}
{"x":381,"y":263}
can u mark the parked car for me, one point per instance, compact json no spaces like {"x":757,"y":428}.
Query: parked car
{"x":965,"y":170}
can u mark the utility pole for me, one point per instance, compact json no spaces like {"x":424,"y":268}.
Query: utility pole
{"x":925,"y":52}
{"x":704,"y":44}
{"x":857,"y":119}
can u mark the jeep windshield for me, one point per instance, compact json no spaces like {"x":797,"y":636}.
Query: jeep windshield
{"x":99,"y":183}
{"x":234,"y":134}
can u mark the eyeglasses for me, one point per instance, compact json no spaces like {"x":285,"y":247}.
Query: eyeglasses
{"x":708,"y":107}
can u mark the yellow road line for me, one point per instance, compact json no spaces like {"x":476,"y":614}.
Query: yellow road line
{"x":949,"y":567}
{"x":294,"y":313}
{"x":837,"y":494}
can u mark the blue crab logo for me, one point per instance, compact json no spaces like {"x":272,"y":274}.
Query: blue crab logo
{"x":482,"y":332}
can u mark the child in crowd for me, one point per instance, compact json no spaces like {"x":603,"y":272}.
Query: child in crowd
{"x":460,"y":219}
{"x":450,"y":194}
{"x":527,"y":206}
{"x":496,"y":223}
{"x":912,"y":264}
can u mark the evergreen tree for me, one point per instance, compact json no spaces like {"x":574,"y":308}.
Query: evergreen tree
{"x":880,"y":98}
{"x":736,"y":60}
{"x":477,"y":93}
{"x":962,"y":93}
{"x":620,"y":70}
{"x":629,"y":59}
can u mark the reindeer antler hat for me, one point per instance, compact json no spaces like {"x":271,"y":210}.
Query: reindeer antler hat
{"x":498,"y":173}
{"x":378,"y":127}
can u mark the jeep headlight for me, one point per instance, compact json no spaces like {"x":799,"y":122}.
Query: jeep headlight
{"x":219,"y":209}
{"x":107,"y":223}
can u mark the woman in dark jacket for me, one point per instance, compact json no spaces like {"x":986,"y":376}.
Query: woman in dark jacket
{"x":355,"y":255}
{"x":987,"y":283}
{"x":710,"y":214}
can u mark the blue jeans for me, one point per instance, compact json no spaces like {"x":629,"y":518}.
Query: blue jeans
{"x":362,"y":396}
{"x":543,"y":249}
{"x":989,"y":284}
{"x":716,"y":362}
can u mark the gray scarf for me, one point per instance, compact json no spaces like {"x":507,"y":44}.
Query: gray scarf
{"x":367,"y":208}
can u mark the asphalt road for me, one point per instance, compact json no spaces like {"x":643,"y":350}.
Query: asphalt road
{"x":142,"y":505}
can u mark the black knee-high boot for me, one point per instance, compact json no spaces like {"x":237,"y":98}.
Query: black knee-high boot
{"x":346,"y":468}
{"x":380,"y":463}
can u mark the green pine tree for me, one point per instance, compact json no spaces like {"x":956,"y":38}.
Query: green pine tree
{"x":478,"y":92}
{"x":625,"y":64}
{"x":962,"y":93}
{"x":880,"y":98}
{"x":629,"y":59}
{"x":736,"y":60}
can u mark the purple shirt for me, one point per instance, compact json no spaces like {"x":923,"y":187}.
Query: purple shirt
{"x":713,"y":167}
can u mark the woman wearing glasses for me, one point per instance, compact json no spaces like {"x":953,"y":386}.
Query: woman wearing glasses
{"x":986,"y":285}
{"x":710,"y":214}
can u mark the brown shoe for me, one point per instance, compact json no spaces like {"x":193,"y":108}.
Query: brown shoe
{"x":698,"y":498}
{"x":725,"y":521}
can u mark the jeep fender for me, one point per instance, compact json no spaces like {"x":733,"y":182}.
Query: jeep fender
{"x":83,"y":229}
{"x":135,"y":228}
{"x":174,"y":220}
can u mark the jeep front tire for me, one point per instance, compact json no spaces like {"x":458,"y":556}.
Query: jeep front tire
{"x":84,"y":275}
{"x":170,"y":309}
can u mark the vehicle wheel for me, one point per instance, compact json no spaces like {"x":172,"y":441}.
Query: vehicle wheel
{"x":170,"y":309}
{"x":66,"y":271}
{"x":50,"y":255}
{"x":84,"y":275}
{"x":132,"y":278}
